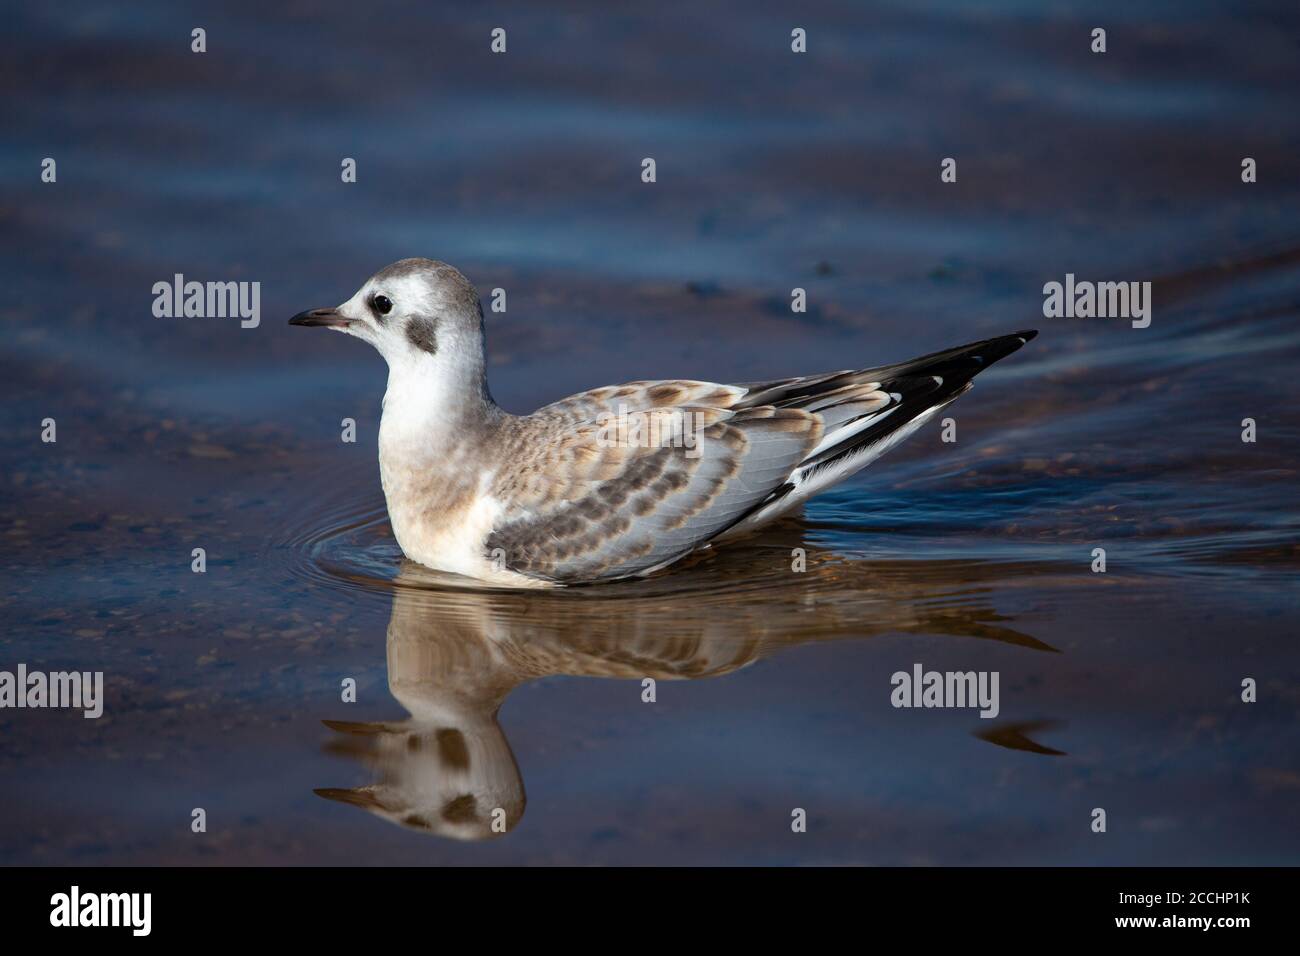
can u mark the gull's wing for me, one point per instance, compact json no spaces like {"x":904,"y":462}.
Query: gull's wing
{"x":593,"y":501}
{"x":836,"y":397}
{"x":639,"y":396}
{"x":578,"y":509}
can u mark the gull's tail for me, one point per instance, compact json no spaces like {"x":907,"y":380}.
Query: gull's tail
{"x":866,"y":413}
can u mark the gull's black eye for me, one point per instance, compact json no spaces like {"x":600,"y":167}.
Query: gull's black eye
{"x":382,"y":304}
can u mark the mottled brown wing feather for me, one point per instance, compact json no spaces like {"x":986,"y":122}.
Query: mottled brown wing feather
{"x":637,"y":396}
{"x":586,"y":502}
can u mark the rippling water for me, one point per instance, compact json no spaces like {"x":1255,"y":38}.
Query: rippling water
{"x":1118,"y":690}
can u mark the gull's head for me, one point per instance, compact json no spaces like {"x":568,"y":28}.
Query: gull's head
{"x":416,"y":312}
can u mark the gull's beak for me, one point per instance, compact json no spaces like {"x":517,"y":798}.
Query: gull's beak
{"x":330,"y":318}
{"x":357,"y":796}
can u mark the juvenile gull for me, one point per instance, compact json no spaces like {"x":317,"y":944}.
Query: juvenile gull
{"x":562,"y":496}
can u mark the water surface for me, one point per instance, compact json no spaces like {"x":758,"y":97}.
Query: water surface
{"x":1118,"y":690}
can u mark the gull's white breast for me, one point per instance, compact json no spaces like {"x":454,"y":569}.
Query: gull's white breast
{"x":445,"y":524}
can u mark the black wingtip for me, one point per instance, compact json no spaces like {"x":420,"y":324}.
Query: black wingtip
{"x":971,"y":359}
{"x":959,"y":365}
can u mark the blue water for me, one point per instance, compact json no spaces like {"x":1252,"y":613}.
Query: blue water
{"x":775,"y":171}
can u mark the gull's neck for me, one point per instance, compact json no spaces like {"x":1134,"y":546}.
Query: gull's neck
{"x":431,"y":407}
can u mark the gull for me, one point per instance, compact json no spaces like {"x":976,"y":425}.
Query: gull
{"x":619,"y":481}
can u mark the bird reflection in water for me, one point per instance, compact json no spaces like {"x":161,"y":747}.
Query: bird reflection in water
{"x":455,"y":652}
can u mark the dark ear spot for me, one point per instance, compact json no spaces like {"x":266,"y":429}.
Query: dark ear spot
{"x":422,"y":332}
{"x":452,"y":749}
{"x":460,"y":810}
